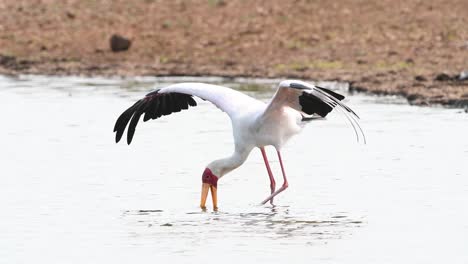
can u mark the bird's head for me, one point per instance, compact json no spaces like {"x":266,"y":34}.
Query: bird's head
{"x":209,"y":182}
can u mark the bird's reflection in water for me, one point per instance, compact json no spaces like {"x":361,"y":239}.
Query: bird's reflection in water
{"x":274,"y":222}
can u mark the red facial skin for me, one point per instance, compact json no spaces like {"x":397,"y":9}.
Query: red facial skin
{"x":210,"y":178}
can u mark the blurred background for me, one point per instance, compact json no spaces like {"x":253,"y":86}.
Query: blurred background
{"x":414,"y":48}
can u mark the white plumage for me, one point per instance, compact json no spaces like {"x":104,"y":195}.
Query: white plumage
{"x":254,"y":123}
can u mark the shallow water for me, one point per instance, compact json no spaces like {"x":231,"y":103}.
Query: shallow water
{"x":69,"y":194}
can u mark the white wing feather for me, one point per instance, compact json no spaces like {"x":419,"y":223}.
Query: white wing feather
{"x":228,"y":100}
{"x":287,"y":95}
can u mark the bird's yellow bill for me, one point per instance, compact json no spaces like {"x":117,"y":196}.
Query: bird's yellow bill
{"x":214,"y":195}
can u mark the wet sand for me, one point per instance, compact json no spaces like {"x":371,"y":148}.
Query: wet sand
{"x":397,"y":47}
{"x":68,"y":193}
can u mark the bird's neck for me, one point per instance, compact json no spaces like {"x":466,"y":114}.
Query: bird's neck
{"x":223,"y":166}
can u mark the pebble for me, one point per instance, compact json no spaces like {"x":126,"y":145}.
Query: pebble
{"x":443,"y":77}
{"x":119,"y":43}
{"x":420,"y":78}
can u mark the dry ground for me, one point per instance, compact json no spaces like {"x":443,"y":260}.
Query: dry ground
{"x":385,"y":46}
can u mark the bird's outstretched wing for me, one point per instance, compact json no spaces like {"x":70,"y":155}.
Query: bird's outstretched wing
{"x":177,"y":97}
{"x":312,"y":100}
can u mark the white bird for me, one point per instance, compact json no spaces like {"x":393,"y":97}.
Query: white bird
{"x":255,"y":124}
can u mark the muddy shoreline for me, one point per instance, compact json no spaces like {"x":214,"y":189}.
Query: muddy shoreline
{"x":427,"y":97}
{"x":416,"y":49}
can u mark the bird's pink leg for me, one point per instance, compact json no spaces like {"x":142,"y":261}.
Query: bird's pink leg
{"x":285,"y":182}
{"x":270,"y":174}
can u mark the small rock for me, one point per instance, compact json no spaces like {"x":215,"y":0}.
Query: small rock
{"x":356,"y":88}
{"x":7,"y":60}
{"x":420,"y":78}
{"x":167,"y":224}
{"x":166,"y":24}
{"x":208,"y":42}
{"x":412,"y":97}
{"x":218,"y":3}
{"x":229,"y":63}
{"x":70,"y":15}
{"x":443,"y":77}
{"x":119,"y":43}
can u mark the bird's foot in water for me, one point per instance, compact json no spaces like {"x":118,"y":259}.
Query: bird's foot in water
{"x":270,"y":198}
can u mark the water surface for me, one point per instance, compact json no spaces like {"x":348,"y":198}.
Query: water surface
{"x":69,"y":194}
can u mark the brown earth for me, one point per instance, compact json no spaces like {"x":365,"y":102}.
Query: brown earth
{"x":385,"y":46}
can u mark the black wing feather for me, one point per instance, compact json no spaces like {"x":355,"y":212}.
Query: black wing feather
{"x":332,"y":93}
{"x":163,"y":107}
{"x":191,"y":101}
{"x":123,"y":120}
{"x":167,"y":110}
{"x":151,"y":110}
{"x":154,"y":105}
{"x":313,"y":105}
{"x":161,"y":104}
{"x":183,"y":104}
{"x":175,"y":103}
{"x":132,"y":126}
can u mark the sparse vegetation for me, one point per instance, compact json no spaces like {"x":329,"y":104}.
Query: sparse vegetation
{"x":379,"y":46}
